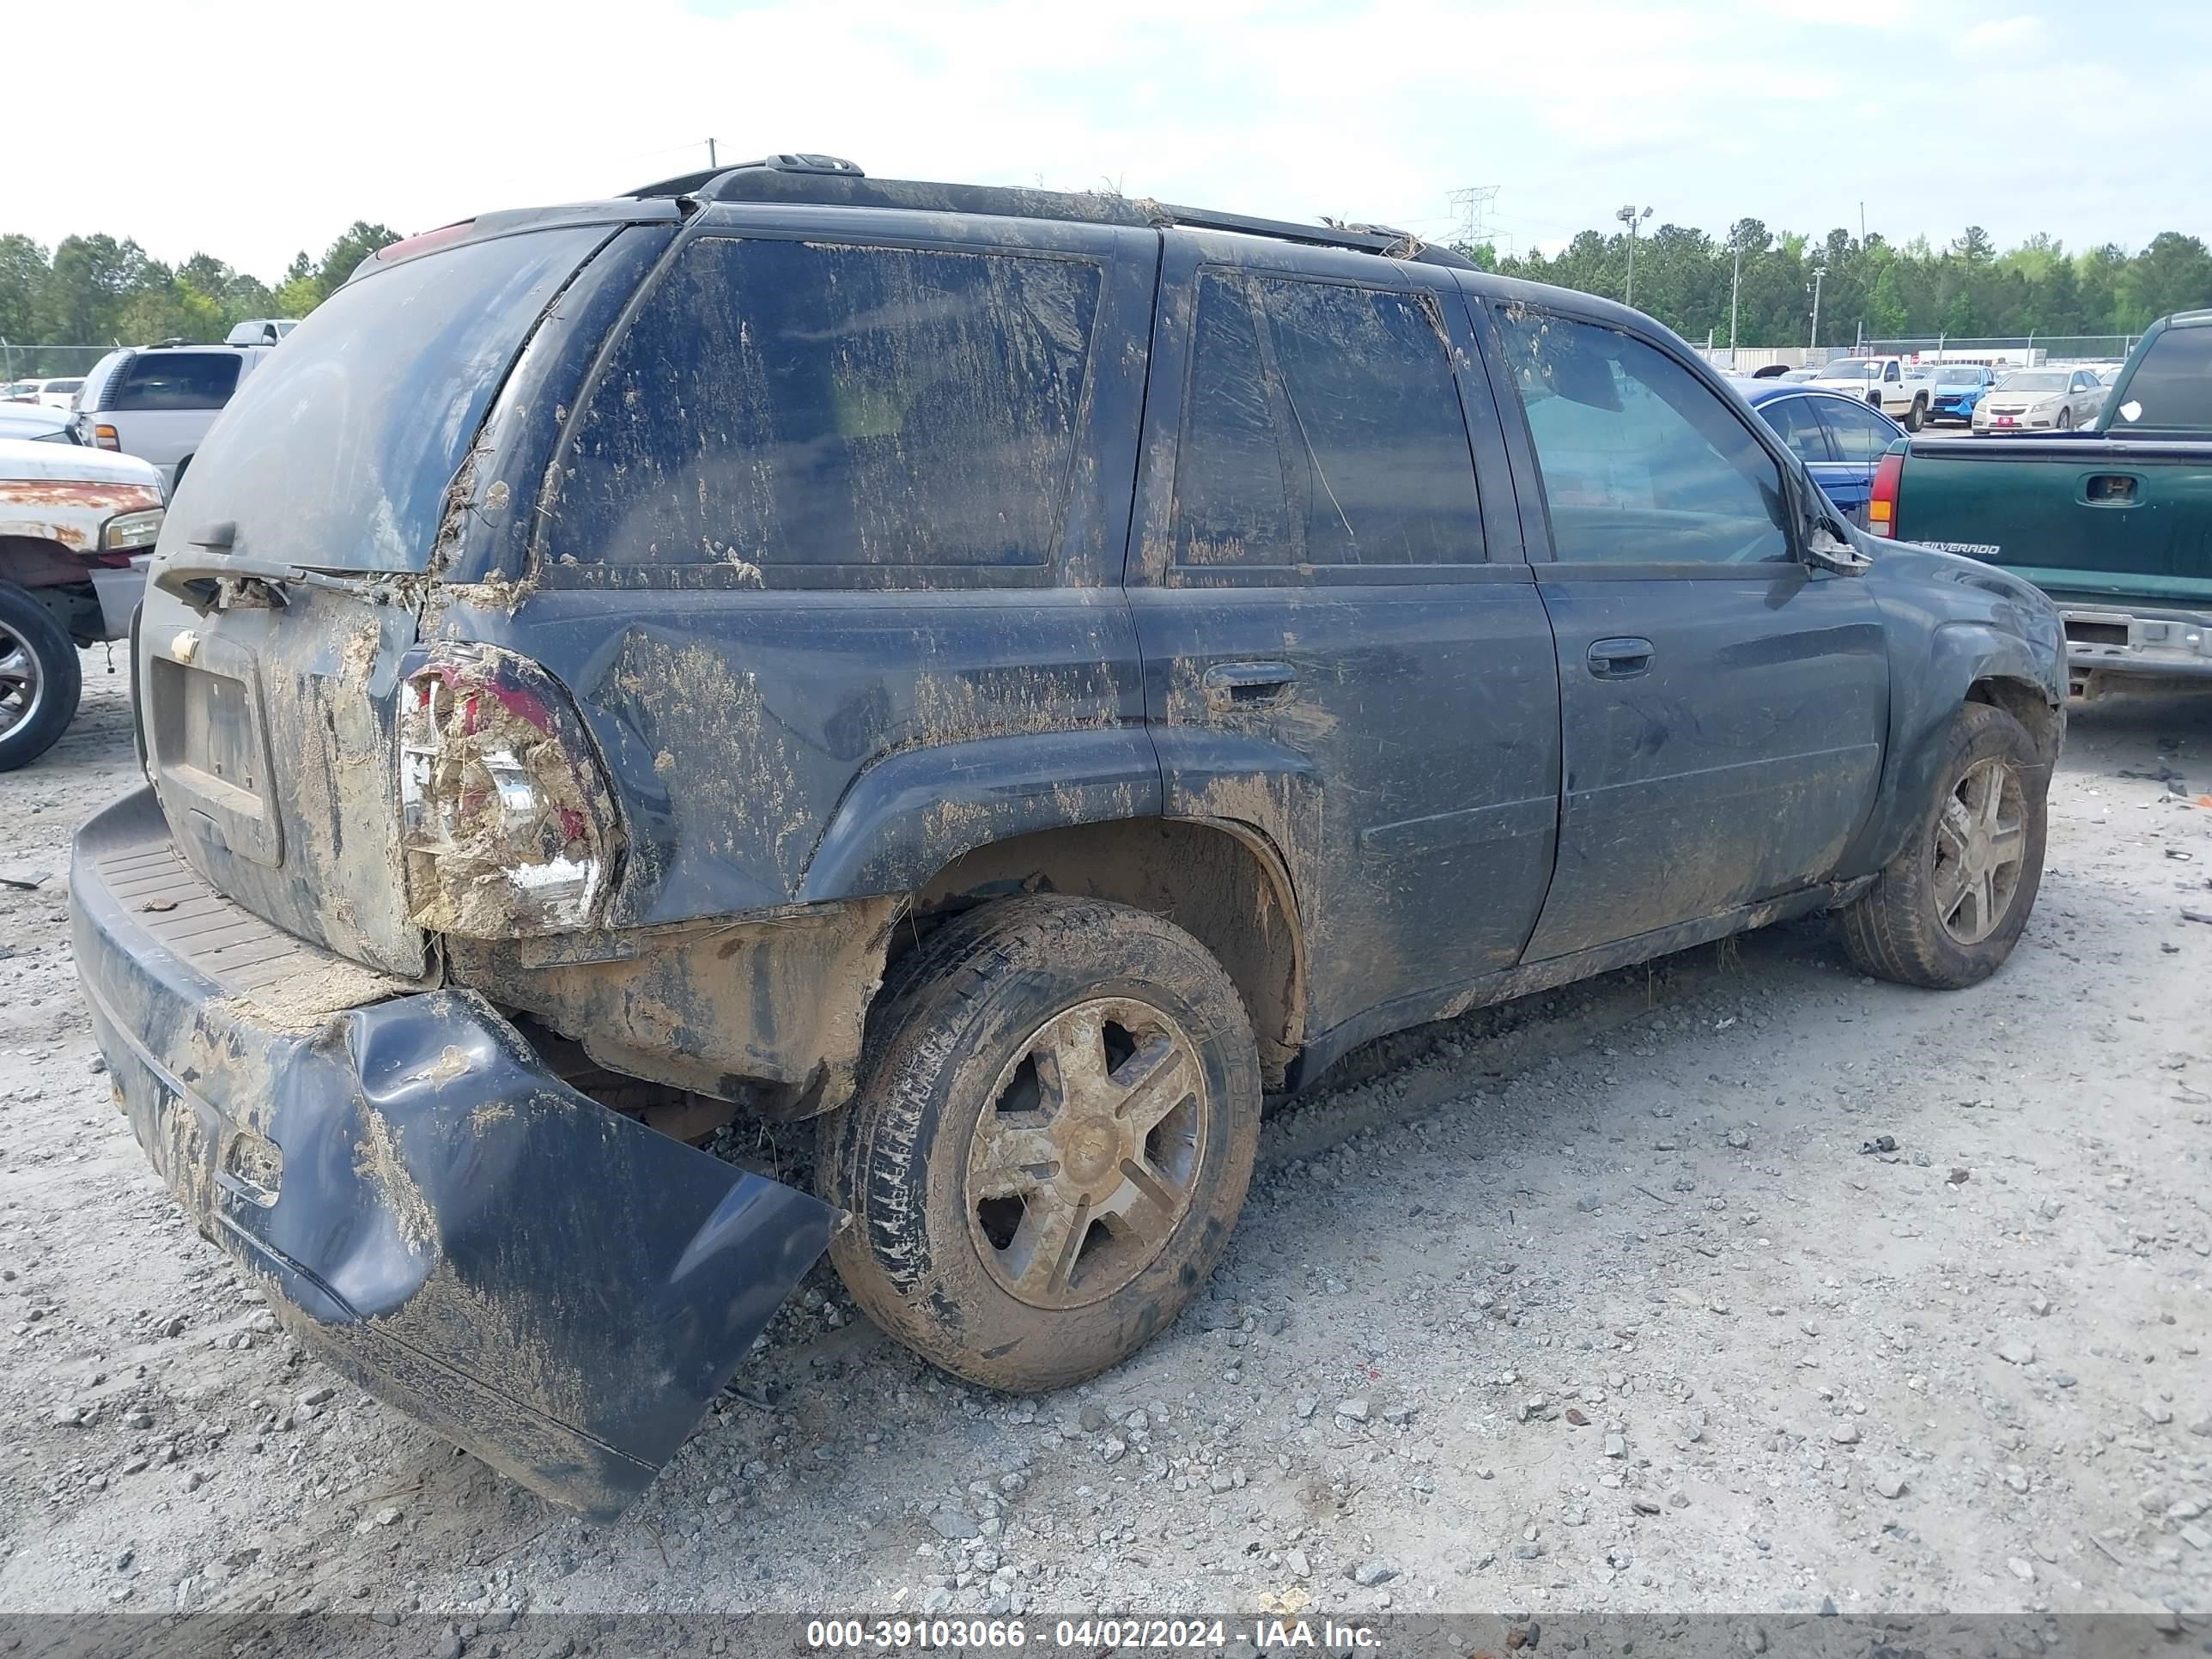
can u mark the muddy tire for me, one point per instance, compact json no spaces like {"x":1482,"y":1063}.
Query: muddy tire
{"x":1051,"y":1138}
{"x":1947,"y":911}
{"x":39,"y":678}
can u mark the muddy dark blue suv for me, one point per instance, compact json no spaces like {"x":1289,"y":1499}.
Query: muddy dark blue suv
{"x":1014,"y":677}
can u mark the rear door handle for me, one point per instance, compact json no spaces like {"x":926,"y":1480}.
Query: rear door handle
{"x":1248,"y":684}
{"x":1620,"y":659}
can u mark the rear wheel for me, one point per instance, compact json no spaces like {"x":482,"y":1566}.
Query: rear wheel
{"x":1050,"y":1144}
{"x":40,"y":680}
{"x":1947,"y":911}
{"x":1916,"y":416}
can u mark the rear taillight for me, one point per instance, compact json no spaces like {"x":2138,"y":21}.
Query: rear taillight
{"x":506,"y":823}
{"x":1881,"y":506}
{"x":103,"y":437}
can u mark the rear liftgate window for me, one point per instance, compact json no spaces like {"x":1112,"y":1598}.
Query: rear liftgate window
{"x":338,"y":450}
{"x":164,"y":379}
{"x":1323,"y":427}
{"x":779,"y":405}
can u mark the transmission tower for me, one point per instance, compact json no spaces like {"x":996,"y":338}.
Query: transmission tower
{"x":1473,"y":204}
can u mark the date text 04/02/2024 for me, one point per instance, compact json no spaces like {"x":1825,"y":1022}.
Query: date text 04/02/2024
{"x":1089,"y":1635}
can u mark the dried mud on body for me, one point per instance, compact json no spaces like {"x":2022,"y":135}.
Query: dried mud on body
{"x":1592,"y":1303}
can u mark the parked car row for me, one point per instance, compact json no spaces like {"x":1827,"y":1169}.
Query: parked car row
{"x":1984,"y":398}
{"x":2109,"y":513}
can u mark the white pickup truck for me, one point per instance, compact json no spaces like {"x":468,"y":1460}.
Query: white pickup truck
{"x":158,"y":402}
{"x":76,"y":528}
{"x":1901,"y":391}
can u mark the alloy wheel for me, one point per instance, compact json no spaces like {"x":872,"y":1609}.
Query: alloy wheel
{"x":1980,"y":841}
{"x":1086,"y":1161}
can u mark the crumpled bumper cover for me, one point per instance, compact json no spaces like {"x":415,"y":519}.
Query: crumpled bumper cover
{"x":550,"y":1285}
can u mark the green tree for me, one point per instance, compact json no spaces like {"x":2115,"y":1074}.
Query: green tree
{"x":360,"y":240}
{"x":22,"y":274}
{"x":298,"y":293}
{"x":1887,"y":316}
{"x":1974,"y":245}
{"x":87,"y":284}
{"x":2174,"y":273}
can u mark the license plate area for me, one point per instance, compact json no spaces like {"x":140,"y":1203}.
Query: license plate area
{"x":211,"y":746}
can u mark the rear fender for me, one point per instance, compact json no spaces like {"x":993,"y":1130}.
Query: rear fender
{"x":912,"y":813}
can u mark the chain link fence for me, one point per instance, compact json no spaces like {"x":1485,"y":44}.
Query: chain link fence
{"x":40,"y":362}
{"x":2025,"y":349}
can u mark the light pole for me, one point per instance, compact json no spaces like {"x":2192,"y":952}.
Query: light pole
{"x":1814,"y":339}
{"x":1736,"y":281}
{"x":1631,"y":218}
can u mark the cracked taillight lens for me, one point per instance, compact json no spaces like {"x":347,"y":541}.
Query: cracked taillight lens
{"x":508,"y":825}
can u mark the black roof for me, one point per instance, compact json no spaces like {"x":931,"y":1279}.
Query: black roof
{"x":828,"y":180}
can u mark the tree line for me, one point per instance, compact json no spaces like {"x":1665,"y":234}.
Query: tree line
{"x":98,"y":291}
{"x":1873,"y":289}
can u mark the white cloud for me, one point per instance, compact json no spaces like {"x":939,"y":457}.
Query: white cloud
{"x":260,"y":128}
{"x":2022,"y":34}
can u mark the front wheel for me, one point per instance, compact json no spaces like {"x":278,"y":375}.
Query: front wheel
{"x":1050,"y":1144}
{"x":1946,"y":911}
{"x":39,"y":678}
{"x":2065,"y":420}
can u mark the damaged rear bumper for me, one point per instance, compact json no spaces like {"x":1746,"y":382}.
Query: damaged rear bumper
{"x":556,"y":1287}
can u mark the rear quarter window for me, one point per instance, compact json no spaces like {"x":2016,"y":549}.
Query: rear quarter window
{"x":2171,"y":390}
{"x":176,"y":381}
{"x":783,"y":405}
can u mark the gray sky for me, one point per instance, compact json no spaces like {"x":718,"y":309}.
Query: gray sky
{"x":250,"y":131}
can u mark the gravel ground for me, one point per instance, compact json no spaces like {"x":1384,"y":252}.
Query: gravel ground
{"x":1598,"y":1303}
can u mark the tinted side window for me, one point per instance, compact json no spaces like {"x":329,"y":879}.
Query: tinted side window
{"x":1641,"y":462}
{"x":178,"y":379}
{"x":1323,"y":427}
{"x":781,"y":404}
{"x":1799,"y":423}
{"x":1859,"y":433}
{"x":1232,"y":503}
{"x":2172,"y":388}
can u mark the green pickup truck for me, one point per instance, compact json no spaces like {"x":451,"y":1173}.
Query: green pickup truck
{"x":2114,"y":522}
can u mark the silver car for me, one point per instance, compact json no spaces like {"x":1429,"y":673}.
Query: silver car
{"x":2040,"y":400}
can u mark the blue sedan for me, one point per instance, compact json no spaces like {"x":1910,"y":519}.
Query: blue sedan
{"x":1840,"y":440}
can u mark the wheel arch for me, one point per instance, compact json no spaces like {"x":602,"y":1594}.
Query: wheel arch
{"x":1959,"y":662}
{"x":2024,"y":701}
{"x":1218,"y":880}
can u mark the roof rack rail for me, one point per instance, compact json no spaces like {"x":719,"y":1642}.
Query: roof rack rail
{"x":829,"y":180}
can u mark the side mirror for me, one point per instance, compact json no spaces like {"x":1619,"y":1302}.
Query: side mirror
{"x":1826,"y":549}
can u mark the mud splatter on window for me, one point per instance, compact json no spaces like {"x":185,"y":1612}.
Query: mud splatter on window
{"x":1321,"y":426}
{"x":781,"y":403}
